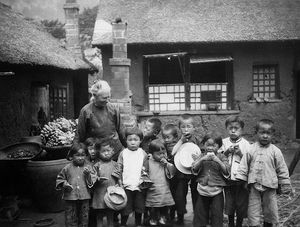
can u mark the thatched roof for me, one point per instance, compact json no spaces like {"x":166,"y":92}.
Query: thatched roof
{"x":25,"y":42}
{"x":170,"y":21}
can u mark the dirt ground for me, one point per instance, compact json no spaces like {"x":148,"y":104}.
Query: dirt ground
{"x":289,"y":208}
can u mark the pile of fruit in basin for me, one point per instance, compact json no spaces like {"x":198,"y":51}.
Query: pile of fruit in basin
{"x":59,"y":132}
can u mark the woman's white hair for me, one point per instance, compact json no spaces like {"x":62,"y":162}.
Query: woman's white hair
{"x":100,"y":86}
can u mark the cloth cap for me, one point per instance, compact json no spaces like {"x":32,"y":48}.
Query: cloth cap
{"x":183,"y":159}
{"x":115,"y":198}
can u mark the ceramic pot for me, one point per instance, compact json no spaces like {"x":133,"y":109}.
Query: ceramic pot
{"x":42,"y":175}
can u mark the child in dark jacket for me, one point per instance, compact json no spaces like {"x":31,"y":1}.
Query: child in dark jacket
{"x":211,"y":169}
{"x":187,"y":129}
{"x":103,"y":178}
{"x":75,"y":180}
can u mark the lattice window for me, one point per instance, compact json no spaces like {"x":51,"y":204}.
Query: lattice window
{"x":166,"y":97}
{"x":58,"y":101}
{"x":264,"y":81}
{"x":208,"y":93}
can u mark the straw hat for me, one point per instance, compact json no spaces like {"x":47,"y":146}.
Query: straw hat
{"x":183,"y":158}
{"x":115,"y":198}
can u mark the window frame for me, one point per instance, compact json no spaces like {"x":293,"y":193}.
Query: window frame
{"x":277,"y":79}
{"x":52,"y":107}
{"x":185,"y":65}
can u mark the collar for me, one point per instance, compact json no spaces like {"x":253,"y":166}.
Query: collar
{"x":263,"y":146}
{"x":236,"y":141}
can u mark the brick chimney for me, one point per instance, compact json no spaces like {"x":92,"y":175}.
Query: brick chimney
{"x":120,"y":67}
{"x":120,"y":64}
{"x":72,"y":27}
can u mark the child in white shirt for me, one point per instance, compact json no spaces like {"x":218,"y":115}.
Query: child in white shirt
{"x":133,"y":168}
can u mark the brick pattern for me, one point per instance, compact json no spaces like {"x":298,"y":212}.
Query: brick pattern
{"x":120,"y":68}
{"x":72,"y":27}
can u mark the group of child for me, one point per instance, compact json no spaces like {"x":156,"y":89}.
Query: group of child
{"x":248,"y":175}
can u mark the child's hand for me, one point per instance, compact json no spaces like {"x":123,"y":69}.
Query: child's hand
{"x":238,"y":151}
{"x":97,"y":170}
{"x":195,"y":156}
{"x":164,"y":161}
{"x":67,"y":187}
{"x":227,"y":152}
{"x":185,"y":137}
{"x":214,"y":157}
{"x":86,"y":171}
{"x":120,"y":183}
{"x":286,"y":189}
{"x":209,"y":156}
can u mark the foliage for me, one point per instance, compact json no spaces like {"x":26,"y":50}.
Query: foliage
{"x":87,"y":21}
{"x":55,"y":28}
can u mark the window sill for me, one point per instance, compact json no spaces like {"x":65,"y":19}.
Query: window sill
{"x":193,"y":112}
{"x":264,"y":101}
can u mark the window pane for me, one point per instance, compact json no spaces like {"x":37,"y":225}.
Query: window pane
{"x":264,"y":82}
{"x":166,"y":97}
{"x":215,"y":93}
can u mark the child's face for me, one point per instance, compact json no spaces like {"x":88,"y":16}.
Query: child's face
{"x":79,"y":157}
{"x":159,"y":155}
{"x":265,"y":134}
{"x":92,"y":152}
{"x":169,"y":139}
{"x":149,"y":129}
{"x":187,"y":128}
{"x":234,"y":130}
{"x":106,"y":152}
{"x":133,"y":142}
{"x":211,"y":146}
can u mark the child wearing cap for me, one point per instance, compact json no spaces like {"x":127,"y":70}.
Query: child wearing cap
{"x":211,"y":169}
{"x":159,"y":197}
{"x":132,"y":171}
{"x":103,"y":178}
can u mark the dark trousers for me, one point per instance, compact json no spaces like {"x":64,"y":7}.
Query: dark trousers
{"x":182,"y":190}
{"x":173,"y":187}
{"x":236,"y":200}
{"x":77,"y":213}
{"x":209,"y":207}
{"x":135,"y":202}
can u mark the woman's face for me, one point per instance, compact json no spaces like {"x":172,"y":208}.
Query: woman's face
{"x":100,"y":99}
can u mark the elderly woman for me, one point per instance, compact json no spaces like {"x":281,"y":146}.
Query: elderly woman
{"x":100,"y":118}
